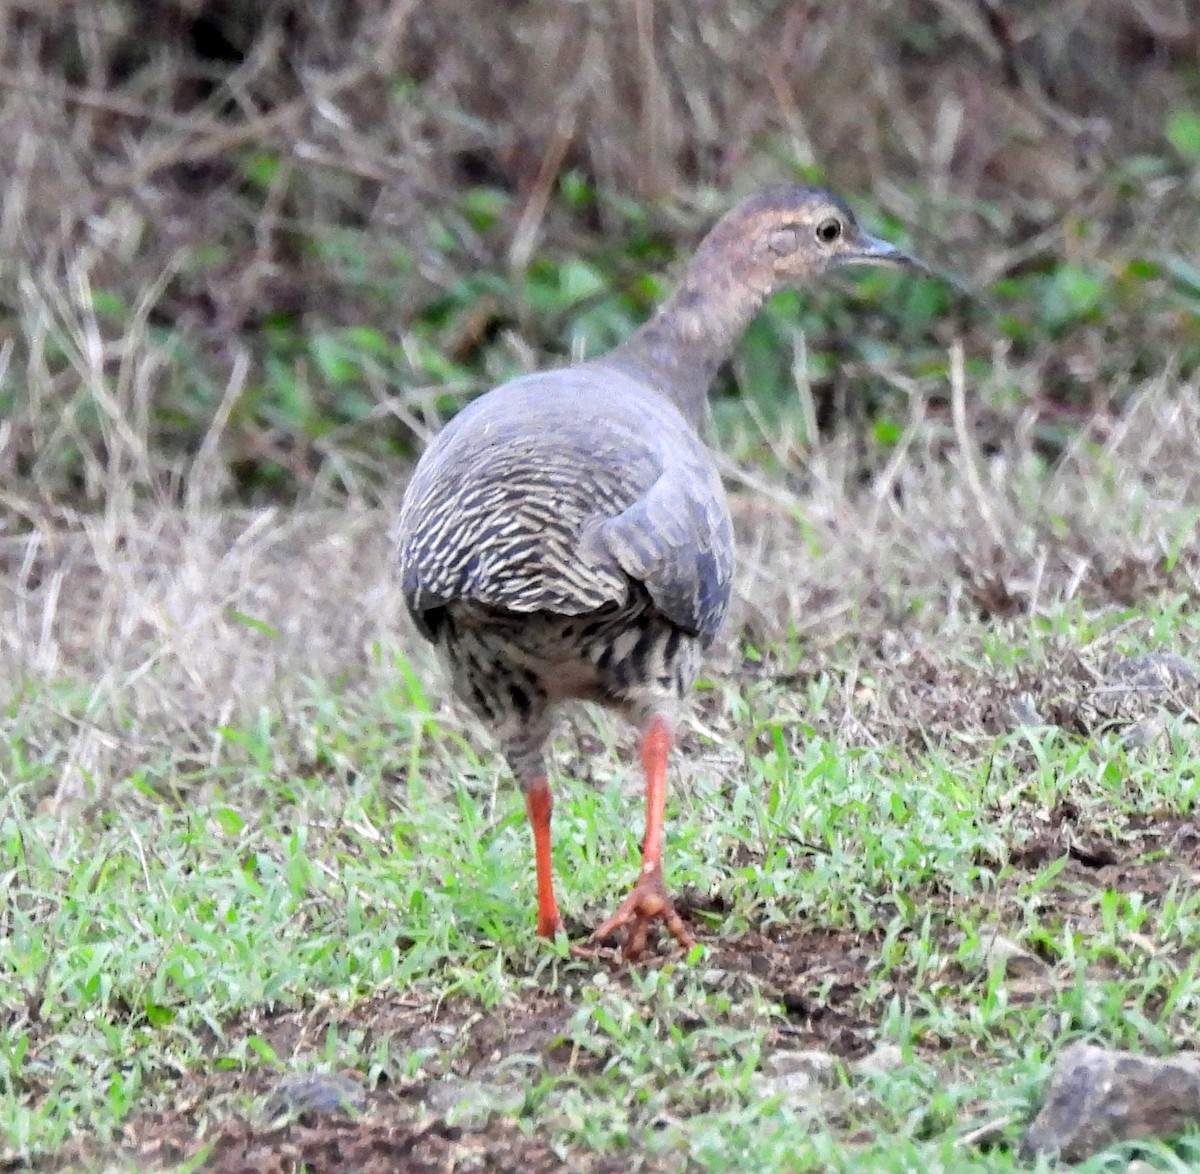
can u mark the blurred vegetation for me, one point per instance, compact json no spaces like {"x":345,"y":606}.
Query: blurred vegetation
{"x":253,"y":251}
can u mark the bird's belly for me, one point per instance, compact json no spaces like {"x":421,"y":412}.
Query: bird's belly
{"x":506,"y":664}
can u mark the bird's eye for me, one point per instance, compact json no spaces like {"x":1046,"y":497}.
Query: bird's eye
{"x":829,"y":230}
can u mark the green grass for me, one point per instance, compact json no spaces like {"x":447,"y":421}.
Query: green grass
{"x":379,"y":862}
{"x":240,"y":833}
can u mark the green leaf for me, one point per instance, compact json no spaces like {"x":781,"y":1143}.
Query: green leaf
{"x":579,"y":280}
{"x":231,"y":822}
{"x":109,"y":304}
{"x":887,"y":432}
{"x":333,"y":360}
{"x":368,"y":339}
{"x":257,"y":1044}
{"x":260,"y":168}
{"x":1183,"y":133}
{"x":1143,"y":269}
{"x":484,"y":206}
{"x":577,"y":192}
{"x":1081,"y":289}
{"x":240,"y":617}
{"x":159,"y":1016}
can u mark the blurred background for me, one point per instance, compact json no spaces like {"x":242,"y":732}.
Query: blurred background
{"x":252,"y":250}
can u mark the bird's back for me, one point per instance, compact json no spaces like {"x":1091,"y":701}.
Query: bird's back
{"x":556,"y":491}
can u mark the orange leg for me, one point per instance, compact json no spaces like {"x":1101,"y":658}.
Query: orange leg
{"x":649,"y":899}
{"x":539,"y":804}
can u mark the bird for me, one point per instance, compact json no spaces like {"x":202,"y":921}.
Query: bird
{"x":566,"y":536}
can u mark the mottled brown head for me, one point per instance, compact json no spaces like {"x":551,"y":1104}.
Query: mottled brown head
{"x":789,"y":234}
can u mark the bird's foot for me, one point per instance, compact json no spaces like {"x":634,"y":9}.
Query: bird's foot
{"x":647,"y":903}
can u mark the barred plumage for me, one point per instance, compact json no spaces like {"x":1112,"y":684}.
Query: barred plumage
{"x":555,"y":492}
{"x":567,"y":536}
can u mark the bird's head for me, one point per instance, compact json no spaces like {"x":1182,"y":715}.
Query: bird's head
{"x":790,"y":234}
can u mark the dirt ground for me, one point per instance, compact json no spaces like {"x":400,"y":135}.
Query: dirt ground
{"x":818,"y":980}
{"x":895,"y":681}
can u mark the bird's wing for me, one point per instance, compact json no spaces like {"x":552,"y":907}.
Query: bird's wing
{"x":555,"y":493}
{"x":511,"y":540}
{"x":678,"y":541}
{"x":494,"y":512}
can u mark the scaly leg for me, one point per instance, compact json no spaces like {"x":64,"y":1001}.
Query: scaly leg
{"x":649,"y":899}
{"x":539,"y":804}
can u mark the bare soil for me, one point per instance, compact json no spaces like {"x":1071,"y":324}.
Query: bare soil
{"x":818,"y":978}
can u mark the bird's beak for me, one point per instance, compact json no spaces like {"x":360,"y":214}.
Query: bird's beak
{"x":872,"y":250}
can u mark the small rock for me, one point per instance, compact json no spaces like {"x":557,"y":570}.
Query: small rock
{"x":435,"y":1037}
{"x":885,"y":1058}
{"x":798,"y":1089}
{"x":1142,"y":735}
{"x":444,"y":1095}
{"x":1099,"y":1097}
{"x":322,"y":1093}
{"x":728,"y":981}
{"x":470,"y":1103}
{"x":798,"y":1077}
{"x":1153,"y":671}
{"x":820,"y":1066}
{"x":1144,"y":696}
{"x":1186,"y":838}
{"x":1136,"y":684}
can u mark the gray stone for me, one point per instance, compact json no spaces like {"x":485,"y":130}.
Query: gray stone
{"x":1022,"y":712}
{"x":1136,"y":685}
{"x":798,"y":1077}
{"x":822,"y":1067}
{"x":324,"y":1094}
{"x":885,"y":1058}
{"x":1099,"y":1097}
{"x":799,"y":1089}
{"x":1143,"y":734}
{"x":470,"y":1101}
{"x":1157,"y":671}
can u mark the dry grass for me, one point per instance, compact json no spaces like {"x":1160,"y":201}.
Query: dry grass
{"x":206,"y":170}
{"x":162,"y":624}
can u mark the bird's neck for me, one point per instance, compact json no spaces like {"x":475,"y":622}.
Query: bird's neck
{"x":681,"y":348}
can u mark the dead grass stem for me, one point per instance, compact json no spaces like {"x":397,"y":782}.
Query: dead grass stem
{"x":156,"y":624}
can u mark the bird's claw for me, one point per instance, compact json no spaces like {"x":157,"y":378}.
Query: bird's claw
{"x":647,"y":902}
